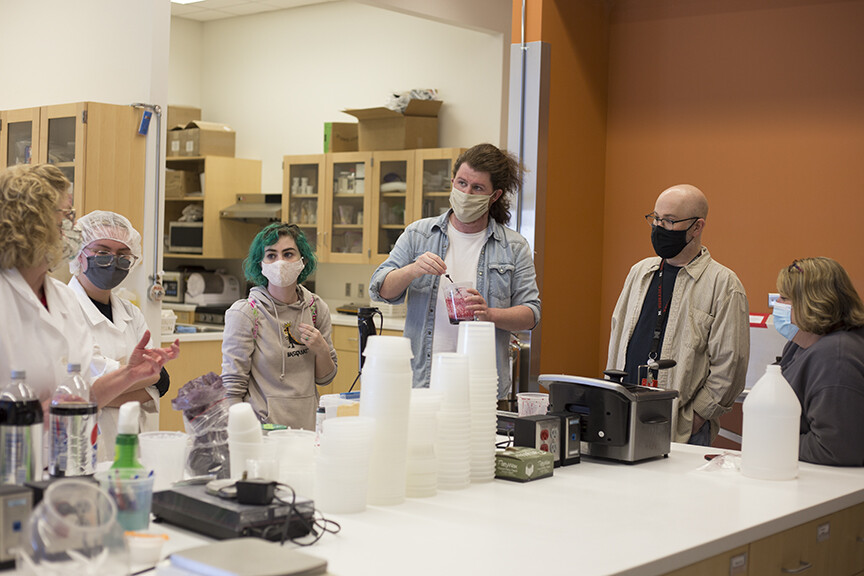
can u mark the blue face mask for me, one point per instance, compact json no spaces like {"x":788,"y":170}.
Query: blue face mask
{"x":783,"y":320}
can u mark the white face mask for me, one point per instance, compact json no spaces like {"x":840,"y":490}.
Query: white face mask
{"x":282,"y":273}
{"x":468,"y":207}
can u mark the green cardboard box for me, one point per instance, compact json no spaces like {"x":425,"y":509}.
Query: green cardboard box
{"x":522,"y":464}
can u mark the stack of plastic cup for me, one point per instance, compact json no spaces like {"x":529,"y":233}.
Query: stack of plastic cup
{"x":422,"y":473}
{"x":477,"y":341}
{"x":343,"y":463}
{"x":450,"y":379}
{"x":295,"y":451}
{"x":385,"y":395}
{"x":246,"y":448}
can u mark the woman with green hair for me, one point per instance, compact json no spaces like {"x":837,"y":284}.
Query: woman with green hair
{"x":277,"y":347}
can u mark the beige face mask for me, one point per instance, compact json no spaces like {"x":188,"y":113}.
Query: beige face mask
{"x":468,"y":207}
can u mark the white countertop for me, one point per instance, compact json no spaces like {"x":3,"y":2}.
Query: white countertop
{"x":593,"y":518}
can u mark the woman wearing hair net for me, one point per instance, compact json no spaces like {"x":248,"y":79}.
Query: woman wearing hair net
{"x":110,"y":248}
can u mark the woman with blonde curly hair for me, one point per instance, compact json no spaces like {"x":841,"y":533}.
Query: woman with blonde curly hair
{"x":822,"y":315}
{"x":43,"y":327}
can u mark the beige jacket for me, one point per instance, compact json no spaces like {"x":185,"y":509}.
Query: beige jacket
{"x":707,"y":334}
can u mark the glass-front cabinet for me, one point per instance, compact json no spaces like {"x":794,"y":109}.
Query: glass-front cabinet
{"x":303,"y":195}
{"x":346,"y":229}
{"x":56,"y":135}
{"x":432,"y":180}
{"x":393,"y":198}
{"x":20,"y":136}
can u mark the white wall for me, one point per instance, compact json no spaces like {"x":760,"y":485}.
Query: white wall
{"x":276,"y":77}
{"x":56,"y":51}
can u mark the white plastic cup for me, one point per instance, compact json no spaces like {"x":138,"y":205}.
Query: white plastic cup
{"x":477,"y":341}
{"x":450,"y":378}
{"x":240,"y":453}
{"x":243,"y":424}
{"x":532,"y":403}
{"x":165,"y":454}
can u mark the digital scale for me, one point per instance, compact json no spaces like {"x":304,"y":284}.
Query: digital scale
{"x":191,"y":507}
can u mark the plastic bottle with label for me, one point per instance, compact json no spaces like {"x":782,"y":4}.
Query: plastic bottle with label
{"x":72,"y":427}
{"x":20,"y":432}
{"x":771,"y":428}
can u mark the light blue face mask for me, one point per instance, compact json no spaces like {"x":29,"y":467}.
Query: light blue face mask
{"x":783,"y":320}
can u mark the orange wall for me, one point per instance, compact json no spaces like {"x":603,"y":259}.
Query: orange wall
{"x":762,"y":108}
{"x":760,"y":104}
{"x":570,"y":219}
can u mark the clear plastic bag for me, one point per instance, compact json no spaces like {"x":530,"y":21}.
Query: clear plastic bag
{"x":205,"y":415}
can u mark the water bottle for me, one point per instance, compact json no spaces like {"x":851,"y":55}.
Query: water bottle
{"x":771,"y":429}
{"x":20,"y":432}
{"x":72,"y":427}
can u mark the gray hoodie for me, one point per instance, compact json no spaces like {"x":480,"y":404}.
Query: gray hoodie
{"x":265,"y":364}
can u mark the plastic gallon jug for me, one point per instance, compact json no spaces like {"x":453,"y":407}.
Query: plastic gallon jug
{"x":770,"y":434}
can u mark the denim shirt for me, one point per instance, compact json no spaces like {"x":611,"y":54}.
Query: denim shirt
{"x":505,"y":278}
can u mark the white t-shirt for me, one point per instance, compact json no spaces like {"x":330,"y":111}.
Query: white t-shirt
{"x":461,"y":259}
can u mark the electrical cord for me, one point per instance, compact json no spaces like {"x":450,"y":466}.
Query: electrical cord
{"x":317,"y":524}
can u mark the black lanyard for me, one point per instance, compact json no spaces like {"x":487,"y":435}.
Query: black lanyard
{"x":662,"y":311}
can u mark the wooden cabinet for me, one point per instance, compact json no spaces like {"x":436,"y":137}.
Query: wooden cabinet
{"x":346,"y":341}
{"x":346,"y":218}
{"x":847,"y":542}
{"x":433,"y":180}
{"x":303,"y":196}
{"x":354,"y":205}
{"x":196,"y":359}
{"x":96,"y":146}
{"x":222,"y":179}
{"x":805,"y":548}
{"x":732,"y":563}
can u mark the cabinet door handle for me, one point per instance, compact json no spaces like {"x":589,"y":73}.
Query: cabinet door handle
{"x":353,"y":339}
{"x":802,"y":566}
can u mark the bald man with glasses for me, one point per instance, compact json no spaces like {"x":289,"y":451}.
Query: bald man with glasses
{"x":681,"y":305}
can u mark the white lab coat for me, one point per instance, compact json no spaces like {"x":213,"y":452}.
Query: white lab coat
{"x":43,"y":341}
{"x":116,"y":340}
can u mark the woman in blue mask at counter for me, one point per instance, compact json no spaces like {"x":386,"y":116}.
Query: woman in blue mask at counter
{"x":110,"y":249}
{"x":822,"y":315}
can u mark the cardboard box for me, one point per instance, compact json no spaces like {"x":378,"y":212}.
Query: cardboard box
{"x":340,"y":137}
{"x":385,"y":129}
{"x":523,"y":464}
{"x":180,"y":183}
{"x":207,"y":139}
{"x":173,"y":140}
{"x":181,"y":116}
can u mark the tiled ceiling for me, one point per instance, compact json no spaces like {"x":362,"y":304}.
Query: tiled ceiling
{"x":217,"y":9}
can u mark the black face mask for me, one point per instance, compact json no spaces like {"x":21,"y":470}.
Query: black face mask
{"x":104,"y":277}
{"x":669,"y":243}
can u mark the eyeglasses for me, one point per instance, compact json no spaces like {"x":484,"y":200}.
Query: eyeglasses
{"x":794,"y":266}
{"x":68,"y":213}
{"x":653,"y":218}
{"x":104,"y":259}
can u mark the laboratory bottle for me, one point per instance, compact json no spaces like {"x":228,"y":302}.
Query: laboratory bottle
{"x":771,"y":428}
{"x":72,"y":427}
{"x":20,"y":431}
{"x":126,"y":446}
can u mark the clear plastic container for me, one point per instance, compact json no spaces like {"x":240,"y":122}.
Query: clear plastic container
{"x":72,"y":422}
{"x":74,"y":530}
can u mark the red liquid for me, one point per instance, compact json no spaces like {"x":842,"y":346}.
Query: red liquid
{"x":456,"y":308}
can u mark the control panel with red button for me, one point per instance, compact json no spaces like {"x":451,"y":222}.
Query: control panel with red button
{"x":542,"y":432}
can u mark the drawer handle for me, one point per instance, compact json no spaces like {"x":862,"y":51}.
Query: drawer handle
{"x":353,"y":339}
{"x":802,"y":566}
